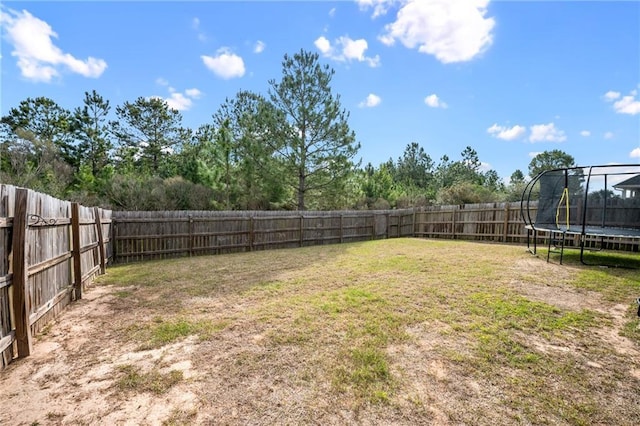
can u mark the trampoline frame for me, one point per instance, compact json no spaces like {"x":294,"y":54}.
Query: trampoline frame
{"x":558,"y":233}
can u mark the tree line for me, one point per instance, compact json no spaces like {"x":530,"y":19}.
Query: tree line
{"x":291,"y":148}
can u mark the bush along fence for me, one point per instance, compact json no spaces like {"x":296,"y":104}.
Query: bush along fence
{"x":50,"y":251}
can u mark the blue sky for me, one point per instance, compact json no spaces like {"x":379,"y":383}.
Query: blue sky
{"x":508,"y":78}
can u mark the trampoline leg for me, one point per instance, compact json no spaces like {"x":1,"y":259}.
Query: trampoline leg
{"x":529,"y":233}
{"x":562,"y":242}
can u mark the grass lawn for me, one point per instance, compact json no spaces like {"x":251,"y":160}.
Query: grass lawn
{"x":401,"y":331}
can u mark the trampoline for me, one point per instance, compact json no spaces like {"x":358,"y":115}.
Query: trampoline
{"x":595,"y":205}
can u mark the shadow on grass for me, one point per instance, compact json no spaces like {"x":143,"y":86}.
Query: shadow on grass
{"x":169,"y":282}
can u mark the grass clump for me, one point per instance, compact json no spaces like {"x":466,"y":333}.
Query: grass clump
{"x":365,"y":374}
{"x":133,"y":379}
{"x":161,"y":332}
{"x":181,"y":417}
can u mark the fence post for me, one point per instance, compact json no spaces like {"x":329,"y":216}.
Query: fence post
{"x":373,"y":226}
{"x":251,"y":233}
{"x":414,"y":223}
{"x":341,"y":228}
{"x":388,"y":226}
{"x":506,"y":223}
{"x":301,"y":230}
{"x":20,"y":274}
{"x":190,"y":218}
{"x":453,"y":222}
{"x":75,"y":250}
{"x":103,"y":260}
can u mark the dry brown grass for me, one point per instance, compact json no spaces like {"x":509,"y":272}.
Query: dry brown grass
{"x":401,"y":331}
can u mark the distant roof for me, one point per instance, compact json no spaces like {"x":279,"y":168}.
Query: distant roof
{"x":630,"y":183}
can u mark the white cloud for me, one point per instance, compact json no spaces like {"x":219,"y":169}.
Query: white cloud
{"x":380,"y":7}
{"x":178,"y":100}
{"x":585,"y":133}
{"x":195,"y":24}
{"x":608,"y":135}
{"x":332,"y":12}
{"x":259,"y":47}
{"x":450,"y":30}
{"x":625,"y":104}
{"x":628,"y":104}
{"x":323,"y":45}
{"x":371,"y":101}
{"x":546,"y":133}
{"x":635,"y":153}
{"x":507,"y":133}
{"x":353,"y":49}
{"x":434,"y":101}
{"x":611,"y":95}
{"x":225,"y":64}
{"x":193,"y":93}
{"x":38,"y":58}
{"x":485,"y":167}
{"x":346,"y":49}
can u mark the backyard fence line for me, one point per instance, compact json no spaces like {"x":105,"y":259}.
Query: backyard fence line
{"x":158,"y":235}
{"x":149,"y":235}
{"x":50,"y":251}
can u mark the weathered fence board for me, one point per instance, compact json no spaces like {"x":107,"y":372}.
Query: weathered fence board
{"x":7,"y":336}
{"x":499,"y":222}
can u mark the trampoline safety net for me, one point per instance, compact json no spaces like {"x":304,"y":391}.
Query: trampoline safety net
{"x":584,"y":202}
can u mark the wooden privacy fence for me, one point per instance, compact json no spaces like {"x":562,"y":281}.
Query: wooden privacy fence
{"x":49,"y":250}
{"x":157,"y":235}
{"x":499,"y":222}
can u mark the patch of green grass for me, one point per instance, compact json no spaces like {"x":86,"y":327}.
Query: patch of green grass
{"x":161,"y":332}
{"x":631,"y":328}
{"x":366,"y":374}
{"x":133,"y":379}
{"x":505,"y":310}
{"x":613,"y":284}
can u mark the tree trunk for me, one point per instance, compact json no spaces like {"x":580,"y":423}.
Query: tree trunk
{"x":301,"y":190}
